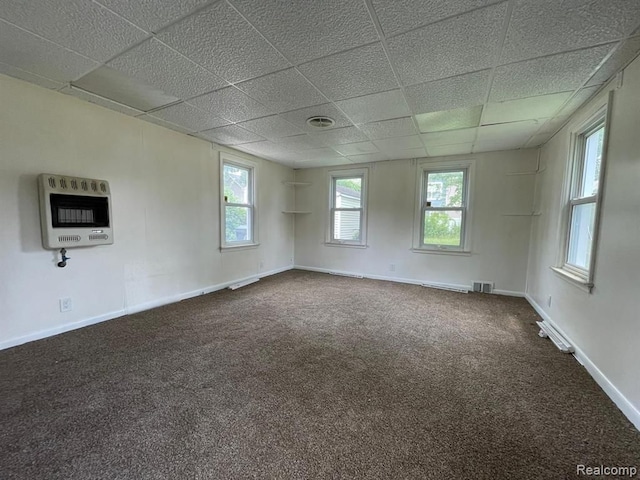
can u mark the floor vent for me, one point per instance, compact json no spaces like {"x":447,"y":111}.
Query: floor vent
{"x":236,"y":286}
{"x":483,"y":287}
{"x":350,"y":275}
{"x":444,"y":287}
{"x":547,"y":331}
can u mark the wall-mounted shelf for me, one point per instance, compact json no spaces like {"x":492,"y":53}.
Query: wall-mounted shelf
{"x":294,"y":211}
{"x":297,"y":184}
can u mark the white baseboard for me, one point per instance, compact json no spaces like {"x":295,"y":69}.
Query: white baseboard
{"x":627,"y":408}
{"x":67,"y":327}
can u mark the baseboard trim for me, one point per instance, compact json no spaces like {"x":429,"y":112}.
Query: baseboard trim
{"x":622,"y":402}
{"x":67,"y":327}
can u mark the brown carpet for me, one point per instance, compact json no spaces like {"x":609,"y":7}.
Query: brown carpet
{"x":306,"y":375}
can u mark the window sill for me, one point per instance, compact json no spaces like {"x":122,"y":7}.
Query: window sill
{"x":348,"y":245}
{"x":433,"y":251}
{"x":573,"y":279}
{"x":244,"y":246}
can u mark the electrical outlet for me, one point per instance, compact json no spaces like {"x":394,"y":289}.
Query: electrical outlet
{"x":66,"y":305}
{"x":392,"y":267}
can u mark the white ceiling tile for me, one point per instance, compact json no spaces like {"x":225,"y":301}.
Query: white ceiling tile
{"x":538,"y":139}
{"x":354,"y":73}
{"x":323,"y":162}
{"x":401,"y":15}
{"x":283,"y":91}
{"x":557,"y":73}
{"x":299,"y":143}
{"x":545,"y":27}
{"x":509,"y":133}
{"x":466,"y":43}
{"x":163,"y":123}
{"x":449,"y":93}
{"x":156,"y":64}
{"x":359,"y":148}
{"x":319,"y":154}
{"x":449,"y":119}
{"x":271,"y":127}
{"x":219,"y":39}
{"x":6,"y":69}
{"x":398,"y":127}
{"x":338,"y":136}
{"x":32,"y":54}
{"x":626,"y":52}
{"x":269,"y":149}
{"x":542,"y":106}
{"x":116,"y":86}
{"x":504,"y":143}
{"x":404,"y":154}
{"x":189,"y":117}
{"x":231,"y":104}
{"x":374,"y":107}
{"x":449,"y":137}
{"x":368,"y":157}
{"x":230,"y":135}
{"x":399,"y":143}
{"x":444,"y":150}
{"x":152,"y":14}
{"x":577,"y":100}
{"x":553,"y":124}
{"x":103,"y":102}
{"x":309,"y":30}
{"x":299,"y":117}
{"x":82,"y":26}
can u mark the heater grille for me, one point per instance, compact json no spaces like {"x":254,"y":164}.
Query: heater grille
{"x":69,"y":238}
{"x":98,"y":236}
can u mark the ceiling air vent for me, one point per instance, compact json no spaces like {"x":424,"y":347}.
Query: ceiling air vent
{"x":321,"y":122}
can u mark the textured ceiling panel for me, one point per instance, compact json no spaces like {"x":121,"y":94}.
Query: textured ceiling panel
{"x":399,"y":143}
{"x":507,"y":132}
{"x":627,"y":51}
{"x":577,"y":100}
{"x":359,"y":148}
{"x":6,"y":69}
{"x":567,"y":25}
{"x":271,"y":127}
{"x":299,"y":143}
{"x":368,"y":157}
{"x":502,"y":143}
{"x":222,"y":41}
{"x":538,"y":140}
{"x":189,"y":117}
{"x":558,"y":73}
{"x":449,"y":119}
{"x":32,"y":54}
{"x":319,"y":154}
{"x":270,"y":149}
{"x":399,"y":16}
{"x":398,"y":127}
{"x":103,"y":102}
{"x":230,"y":135}
{"x":323,"y":162}
{"x":354,"y":73}
{"x":314,"y":29}
{"x":552,"y":125}
{"x":449,"y":137}
{"x":375,"y":107}
{"x":283,"y":91}
{"x":152,"y":14}
{"x":449,"y":93}
{"x":543,"y":106}
{"x":443,"y":150}
{"x":464,"y":44}
{"x":156,"y":64}
{"x":338,"y":136}
{"x":82,"y":26}
{"x":231,"y":104}
{"x":411,"y":153}
{"x":299,"y":117}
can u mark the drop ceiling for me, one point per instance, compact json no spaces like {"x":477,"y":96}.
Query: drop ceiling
{"x":401,"y":78}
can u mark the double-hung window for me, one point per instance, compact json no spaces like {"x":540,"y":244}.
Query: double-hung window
{"x":348,"y":215}
{"x":237,"y":203}
{"x":585,"y":192}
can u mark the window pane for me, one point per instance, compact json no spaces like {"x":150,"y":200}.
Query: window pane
{"x":346,"y":225}
{"x":445,"y":189}
{"x":348,"y":192}
{"x":236,"y":184}
{"x":581,"y":235}
{"x":591,"y":166}
{"x":238,"y":224}
{"x":442,"y":228}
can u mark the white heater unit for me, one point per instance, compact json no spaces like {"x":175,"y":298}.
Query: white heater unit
{"x":547,"y":331}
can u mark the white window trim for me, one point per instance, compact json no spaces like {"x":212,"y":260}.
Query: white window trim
{"x":465,"y":248}
{"x":228,"y":159}
{"x":600,"y":115}
{"x":364,"y":194}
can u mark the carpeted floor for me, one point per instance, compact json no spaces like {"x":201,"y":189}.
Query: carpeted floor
{"x":306,"y":375}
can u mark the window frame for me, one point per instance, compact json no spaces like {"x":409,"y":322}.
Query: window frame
{"x":251,"y":167}
{"x":595,"y":121}
{"x":335,"y":175}
{"x":423,"y":170}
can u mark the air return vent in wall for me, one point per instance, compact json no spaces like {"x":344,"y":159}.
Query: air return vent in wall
{"x":483,"y":287}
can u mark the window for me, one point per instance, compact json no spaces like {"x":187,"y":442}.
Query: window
{"x":584,"y":198}
{"x":442,"y":211}
{"x":348,"y":219}
{"x":237,"y":205}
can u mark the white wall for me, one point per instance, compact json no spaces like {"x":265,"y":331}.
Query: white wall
{"x":165,"y":207}
{"x":499,"y":243}
{"x":605,"y":324}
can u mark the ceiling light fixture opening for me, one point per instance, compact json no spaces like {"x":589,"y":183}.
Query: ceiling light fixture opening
{"x":321,"y":122}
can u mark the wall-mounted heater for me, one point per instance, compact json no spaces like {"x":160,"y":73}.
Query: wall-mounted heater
{"x":74,"y":212}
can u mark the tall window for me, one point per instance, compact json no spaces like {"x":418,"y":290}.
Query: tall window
{"x":238,"y":207}
{"x":443,"y":208}
{"x":348,"y":207}
{"x":584,"y":198}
